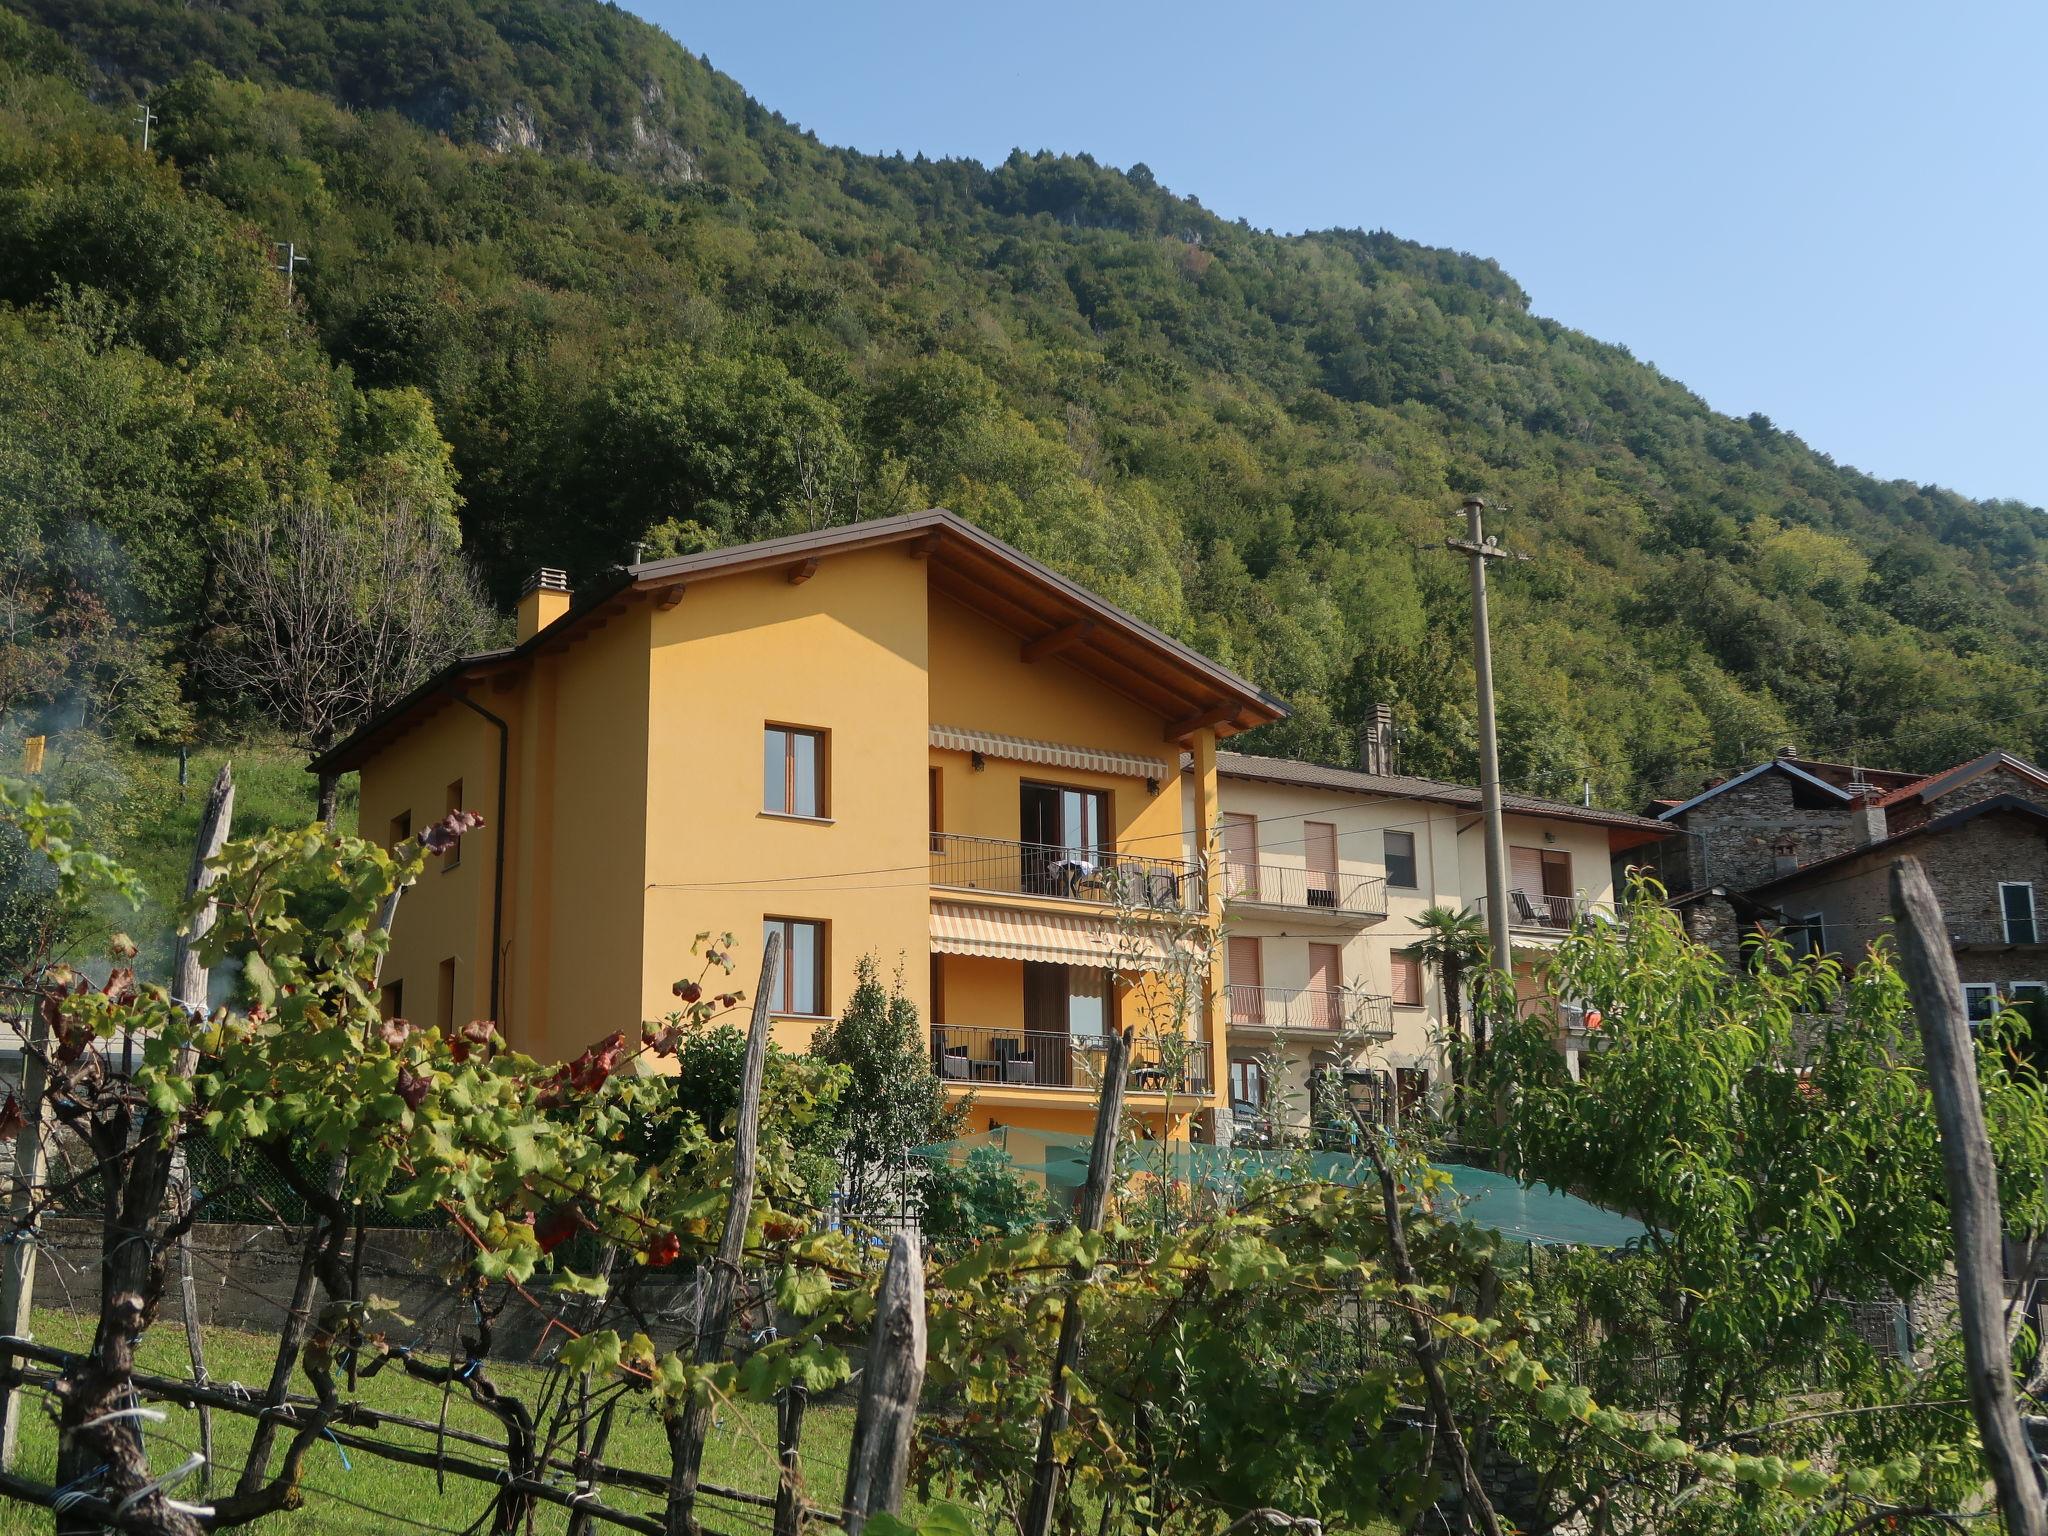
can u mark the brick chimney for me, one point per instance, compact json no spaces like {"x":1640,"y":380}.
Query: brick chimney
{"x":544,"y":599}
{"x":1376,"y":741}
{"x":1784,"y":856}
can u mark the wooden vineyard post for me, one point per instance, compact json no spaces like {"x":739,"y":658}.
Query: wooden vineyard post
{"x":1094,"y":1202}
{"x":1972,"y":1180}
{"x":716,"y":1286}
{"x":789,"y":1429}
{"x":188,"y":976}
{"x":890,"y":1386}
{"x":189,"y":981}
{"x":18,"y":1259}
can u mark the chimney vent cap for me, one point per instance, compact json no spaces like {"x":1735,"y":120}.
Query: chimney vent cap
{"x":546,"y":579}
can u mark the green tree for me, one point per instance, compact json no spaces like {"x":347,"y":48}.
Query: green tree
{"x":1452,"y":941}
{"x":980,"y":1197}
{"x":893,"y":1101}
{"x":1769,"y":1126}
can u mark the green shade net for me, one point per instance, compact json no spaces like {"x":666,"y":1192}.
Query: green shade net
{"x":1522,"y":1213}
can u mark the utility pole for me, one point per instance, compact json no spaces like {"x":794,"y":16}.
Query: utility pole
{"x":1479,"y":549}
{"x":288,"y":262}
{"x":148,"y":120}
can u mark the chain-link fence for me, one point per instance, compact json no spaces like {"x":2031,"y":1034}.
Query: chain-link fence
{"x":246,"y":1188}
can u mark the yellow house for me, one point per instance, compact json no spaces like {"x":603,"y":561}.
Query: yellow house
{"x":1325,"y":874}
{"x":902,"y":739}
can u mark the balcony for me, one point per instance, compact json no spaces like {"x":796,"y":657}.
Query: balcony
{"x":1354,"y":899}
{"x":1552,"y":916}
{"x":1313,"y":1010}
{"x":1101,"y":876}
{"x":968,"y":1057}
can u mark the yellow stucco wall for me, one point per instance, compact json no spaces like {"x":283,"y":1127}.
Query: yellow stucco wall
{"x":635,"y":802}
{"x":979,"y":683}
{"x":844,"y":652}
{"x":594,"y":810}
{"x":445,"y":913}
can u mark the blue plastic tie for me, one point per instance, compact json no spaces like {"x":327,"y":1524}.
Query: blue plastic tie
{"x":346,"y":1464}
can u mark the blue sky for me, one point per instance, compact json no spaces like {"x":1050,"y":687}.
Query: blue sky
{"x":1831,"y":213}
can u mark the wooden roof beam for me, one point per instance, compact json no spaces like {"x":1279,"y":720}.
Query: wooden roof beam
{"x":803,"y":571}
{"x":1215,"y":714}
{"x":1053,"y":641}
{"x":670,"y":595}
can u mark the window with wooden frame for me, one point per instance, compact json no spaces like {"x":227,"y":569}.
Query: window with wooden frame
{"x":1406,"y":971}
{"x":444,"y":997}
{"x":398,"y":831}
{"x":793,"y":772}
{"x":800,"y":978}
{"x":1400,"y":860}
{"x":1247,"y":1081}
{"x":453,"y":857}
{"x":391,"y":1001}
{"x":2016,"y":906}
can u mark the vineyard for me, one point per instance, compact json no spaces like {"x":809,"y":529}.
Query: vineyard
{"x":638,"y":1317}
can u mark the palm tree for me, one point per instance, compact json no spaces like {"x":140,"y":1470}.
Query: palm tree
{"x":1452,"y":941}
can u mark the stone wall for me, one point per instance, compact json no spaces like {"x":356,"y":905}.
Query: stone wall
{"x":1742,"y":832}
{"x":1965,"y":866}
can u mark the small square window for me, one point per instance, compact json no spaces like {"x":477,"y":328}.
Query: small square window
{"x":453,"y":856}
{"x":1980,"y":1001}
{"x":1400,"y":860}
{"x":793,"y":771}
{"x":391,"y":1000}
{"x":1407,"y":974}
{"x":800,"y":978}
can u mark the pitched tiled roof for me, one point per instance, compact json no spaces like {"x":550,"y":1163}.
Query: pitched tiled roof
{"x":1935,"y":785}
{"x":1003,"y":584}
{"x":1396,"y":786}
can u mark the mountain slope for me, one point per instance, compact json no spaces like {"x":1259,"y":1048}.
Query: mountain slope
{"x":646,"y":310}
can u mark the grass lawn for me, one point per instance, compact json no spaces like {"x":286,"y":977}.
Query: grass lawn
{"x":382,"y":1496}
{"x":157,"y":825}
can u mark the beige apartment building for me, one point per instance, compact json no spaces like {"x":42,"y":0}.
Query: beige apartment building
{"x":1325,"y":872}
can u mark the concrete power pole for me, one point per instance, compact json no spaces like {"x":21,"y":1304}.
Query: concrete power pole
{"x":288,"y":262}
{"x":1479,"y":549}
{"x":148,"y":120}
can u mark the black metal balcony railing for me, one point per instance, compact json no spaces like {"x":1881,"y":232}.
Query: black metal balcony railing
{"x":1311,"y":890}
{"x":1039,"y":1058}
{"x":1339,"y":1010}
{"x":1533,"y":911}
{"x":1104,"y":876}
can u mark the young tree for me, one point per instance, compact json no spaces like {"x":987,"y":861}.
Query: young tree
{"x":334,"y":612}
{"x":1771,"y":1128}
{"x":1451,"y":941}
{"x":893,"y":1101}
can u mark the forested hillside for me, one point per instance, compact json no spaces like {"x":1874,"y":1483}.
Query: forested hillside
{"x":572,"y":288}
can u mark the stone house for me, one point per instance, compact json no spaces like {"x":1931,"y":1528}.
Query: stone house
{"x":1987,"y":860}
{"x":1804,"y":846}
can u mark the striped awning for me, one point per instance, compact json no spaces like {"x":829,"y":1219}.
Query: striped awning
{"x":999,"y":933}
{"x":1022,"y":749}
